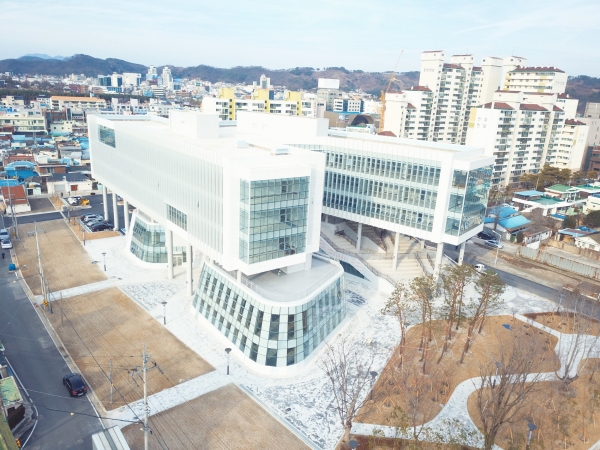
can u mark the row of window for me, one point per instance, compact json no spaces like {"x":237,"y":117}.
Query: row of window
{"x":418,"y":172}
{"x":387,"y":191}
{"x":177,"y":217}
{"x":272,"y":247}
{"x":379,"y":211}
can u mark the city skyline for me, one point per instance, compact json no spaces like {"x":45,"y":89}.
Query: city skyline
{"x":279,"y":36}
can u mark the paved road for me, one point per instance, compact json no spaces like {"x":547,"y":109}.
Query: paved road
{"x":561,"y":297}
{"x":97,"y":207}
{"x":40,"y":367}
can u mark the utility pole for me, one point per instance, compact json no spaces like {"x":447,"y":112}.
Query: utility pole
{"x":144,"y":370}
{"x":12,"y":210}
{"x":41,"y":268}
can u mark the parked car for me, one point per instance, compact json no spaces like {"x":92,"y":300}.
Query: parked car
{"x":6,"y":243}
{"x":74,"y":201}
{"x":75,"y":384}
{"x":485,"y":236}
{"x":4,"y":234}
{"x":480,"y":268}
{"x":494,"y":243}
{"x":101,"y":226}
{"x":91,"y":217}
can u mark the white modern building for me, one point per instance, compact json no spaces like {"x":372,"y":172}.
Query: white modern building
{"x":535,"y":79}
{"x":243,"y":202}
{"x":248,"y":211}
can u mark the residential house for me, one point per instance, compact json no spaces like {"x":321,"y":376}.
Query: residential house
{"x":570,"y":234}
{"x":549,"y":204}
{"x":68,"y":183}
{"x":15,"y":198}
{"x":535,"y":234}
{"x":591,"y":241}
{"x":507,"y":221}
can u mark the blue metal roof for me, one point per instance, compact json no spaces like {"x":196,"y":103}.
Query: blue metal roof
{"x":532,"y":193}
{"x":513,"y":222}
{"x":503,"y":211}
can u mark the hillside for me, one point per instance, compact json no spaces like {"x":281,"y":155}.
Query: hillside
{"x":581,"y":87}
{"x":585,"y":89}
{"x":77,"y":64}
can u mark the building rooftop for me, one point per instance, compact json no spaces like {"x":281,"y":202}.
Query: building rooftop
{"x":531,"y":193}
{"x":9,"y":392}
{"x":279,"y":286}
{"x":577,"y":232}
{"x":537,"y":69}
{"x":531,"y":107}
{"x":574,"y":122}
{"x":562,"y":188}
{"x":498,"y":105}
{"x":515,"y":222}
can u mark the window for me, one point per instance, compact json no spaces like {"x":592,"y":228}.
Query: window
{"x":177,"y":217}
{"x":107,"y":135}
{"x":271,"y":357}
{"x":274,"y":327}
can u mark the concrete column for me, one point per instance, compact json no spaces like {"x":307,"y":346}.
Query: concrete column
{"x":239,"y":276}
{"x":395,"y":259}
{"x":358,"y":237}
{"x":169,"y":245}
{"x":126,"y":215}
{"x":461,"y":253}
{"x":439,"y":254}
{"x":188,"y":265}
{"x":105,"y":201}
{"x":422,"y":244}
{"x":325,"y":218}
{"x":115,"y":211}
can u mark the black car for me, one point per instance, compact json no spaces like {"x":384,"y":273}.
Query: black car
{"x":101,"y":226}
{"x":485,"y":236}
{"x":75,"y":384}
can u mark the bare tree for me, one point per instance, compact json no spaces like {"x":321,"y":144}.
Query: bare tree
{"x":348,"y":365}
{"x":401,"y":306}
{"x":490,"y":288}
{"x":507,"y":383}
{"x":423,"y":290}
{"x":578,"y":339}
{"x":454,"y":281}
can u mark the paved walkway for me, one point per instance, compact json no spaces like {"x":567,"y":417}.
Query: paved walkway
{"x":569,"y":347}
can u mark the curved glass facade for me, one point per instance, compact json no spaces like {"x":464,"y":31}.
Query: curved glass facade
{"x":276,"y":336}
{"x":468,"y":199}
{"x":148,"y":242}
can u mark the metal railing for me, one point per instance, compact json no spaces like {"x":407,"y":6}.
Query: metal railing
{"x":361,"y":259}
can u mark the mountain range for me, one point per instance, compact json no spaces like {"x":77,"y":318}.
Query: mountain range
{"x":581,"y":87}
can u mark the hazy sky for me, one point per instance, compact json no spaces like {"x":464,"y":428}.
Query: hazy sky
{"x":366,"y":34}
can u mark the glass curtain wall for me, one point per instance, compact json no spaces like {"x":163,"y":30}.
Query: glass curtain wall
{"x":148,"y":243}
{"x":468,"y":199}
{"x":276,"y":336}
{"x":273,"y":217}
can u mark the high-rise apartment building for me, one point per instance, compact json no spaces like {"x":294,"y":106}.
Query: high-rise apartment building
{"x":167,"y":78}
{"x":535,"y":79}
{"x":524,"y":132}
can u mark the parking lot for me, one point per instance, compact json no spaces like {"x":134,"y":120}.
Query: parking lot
{"x":105,"y":329}
{"x":65,"y":263}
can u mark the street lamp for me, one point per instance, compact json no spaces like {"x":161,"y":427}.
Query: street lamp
{"x":164,"y":312}
{"x":373,"y":375}
{"x":227,"y":350}
{"x":532,"y":427}
{"x":104,"y":259}
{"x":498,"y":246}
{"x":498,"y":365}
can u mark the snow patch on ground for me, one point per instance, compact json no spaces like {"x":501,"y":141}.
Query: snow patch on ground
{"x":305,"y":400}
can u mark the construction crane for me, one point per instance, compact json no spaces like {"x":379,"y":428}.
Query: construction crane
{"x":383,"y":94}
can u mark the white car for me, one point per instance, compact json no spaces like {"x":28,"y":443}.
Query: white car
{"x":480,"y":268}
{"x":494,"y":243}
{"x":6,"y":243}
{"x":91,"y":217}
{"x":4,"y":234}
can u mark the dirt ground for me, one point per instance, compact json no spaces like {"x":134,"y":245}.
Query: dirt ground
{"x":65,"y":262}
{"x":421,"y":397}
{"x":561,"y":415}
{"x":106,"y":325}
{"x":379,"y":443}
{"x":224,"y":419}
{"x":567,"y":322}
